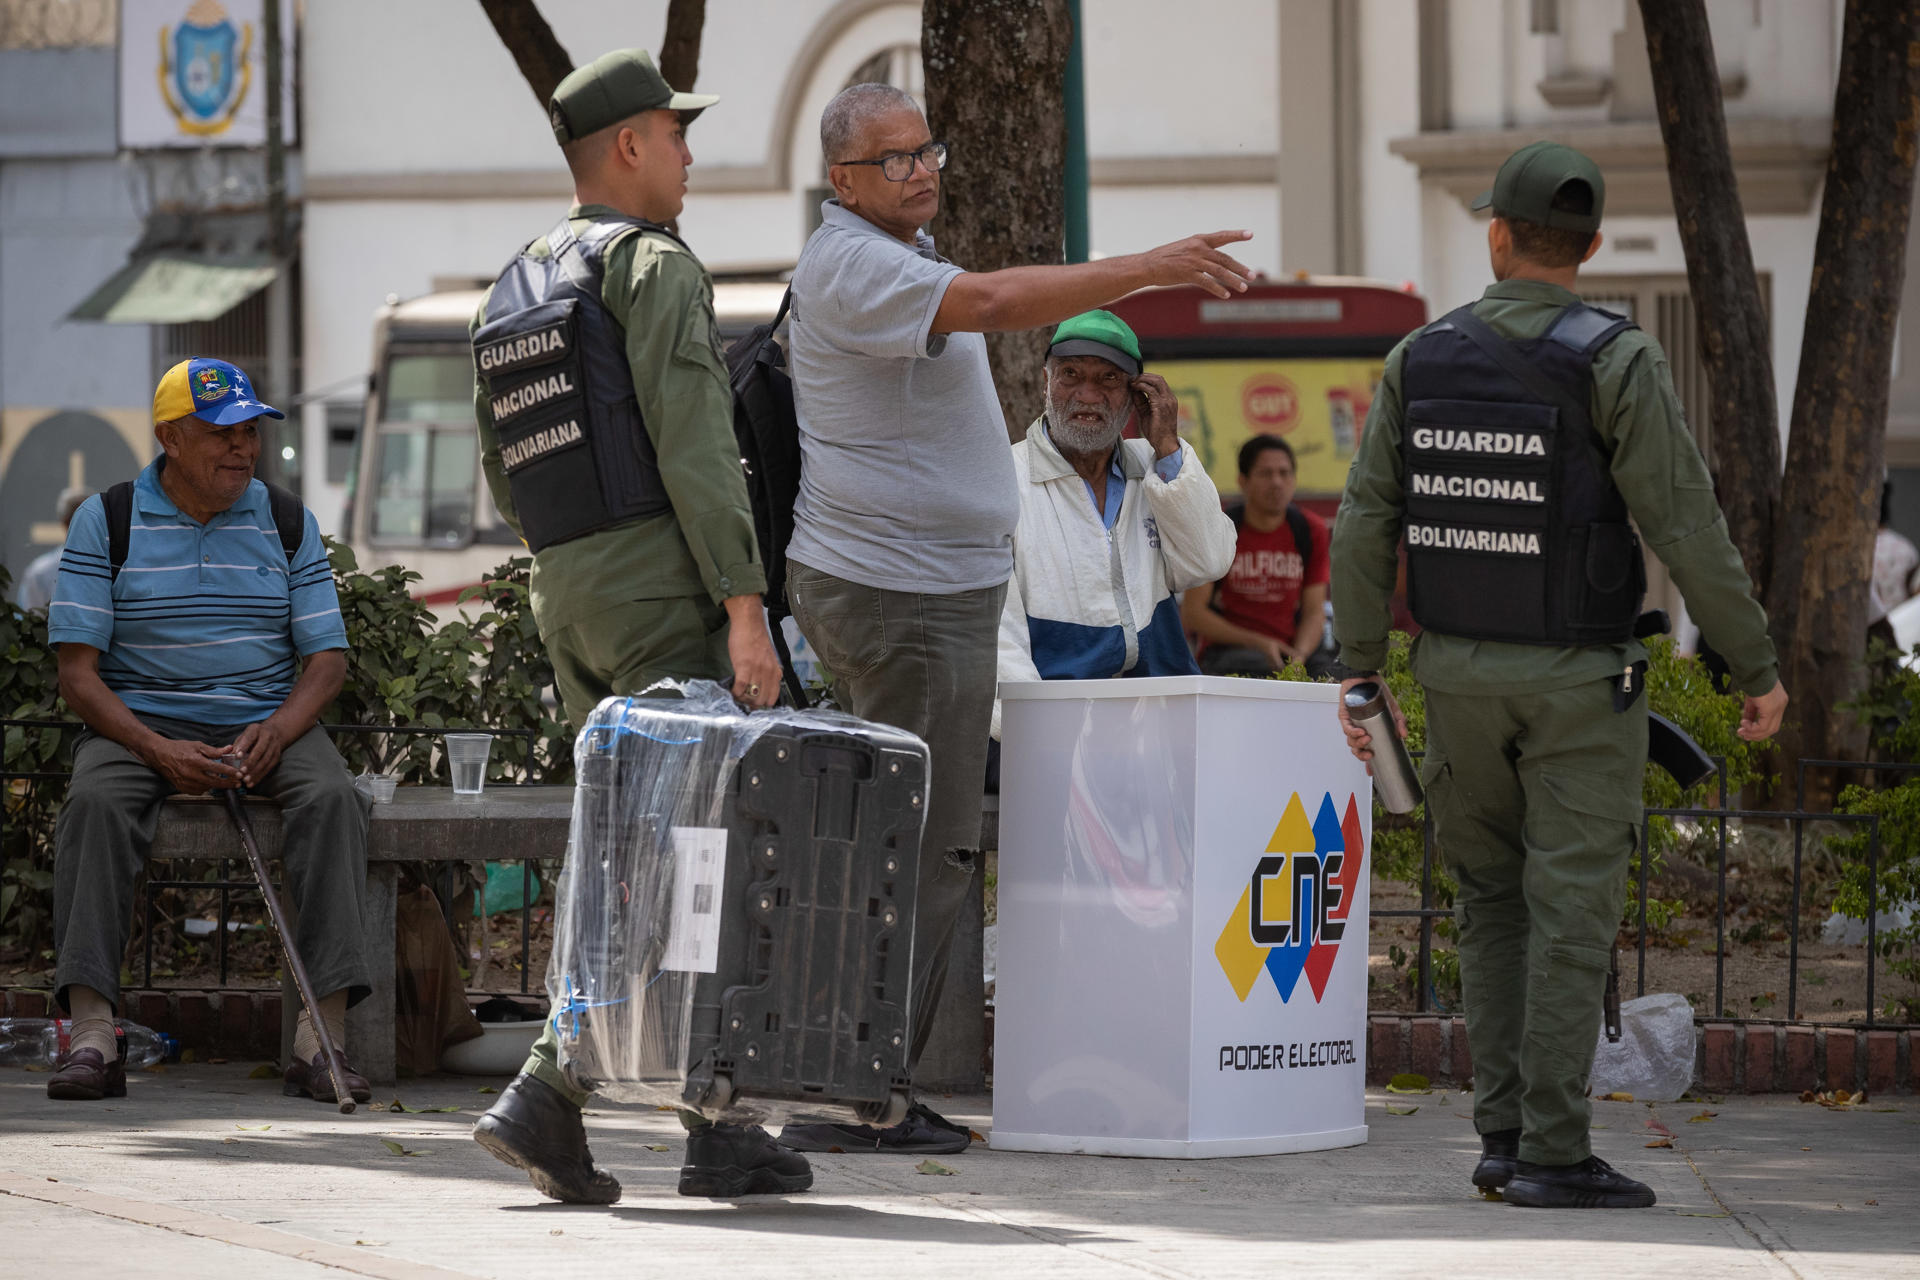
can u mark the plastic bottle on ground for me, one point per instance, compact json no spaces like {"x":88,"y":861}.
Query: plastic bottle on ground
{"x":38,"y":1042}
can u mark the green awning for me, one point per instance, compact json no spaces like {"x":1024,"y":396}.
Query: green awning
{"x":175,"y":288}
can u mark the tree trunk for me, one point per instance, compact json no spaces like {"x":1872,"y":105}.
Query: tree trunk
{"x":1823,"y":539}
{"x":1720,"y":275}
{"x":995,"y":80}
{"x":680,"y":47}
{"x":535,"y":49}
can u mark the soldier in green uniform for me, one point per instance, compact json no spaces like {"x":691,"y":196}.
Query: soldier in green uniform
{"x":606,"y":435}
{"x":1508,"y":444}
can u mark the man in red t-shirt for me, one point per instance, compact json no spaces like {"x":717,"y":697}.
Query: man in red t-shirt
{"x":1268,"y":609}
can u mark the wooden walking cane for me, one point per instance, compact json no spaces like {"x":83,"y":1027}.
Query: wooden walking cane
{"x":299,"y":970}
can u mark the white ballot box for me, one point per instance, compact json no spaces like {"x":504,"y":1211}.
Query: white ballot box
{"x":1183,"y":919}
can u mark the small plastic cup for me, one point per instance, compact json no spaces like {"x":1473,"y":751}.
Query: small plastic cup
{"x":467,"y":758}
{"x":383,"y":785}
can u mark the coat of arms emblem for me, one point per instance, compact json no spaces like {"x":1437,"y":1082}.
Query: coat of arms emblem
{"x":204,"y":68}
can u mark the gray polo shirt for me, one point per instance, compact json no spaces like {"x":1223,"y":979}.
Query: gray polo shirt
{"x":906,"y":476}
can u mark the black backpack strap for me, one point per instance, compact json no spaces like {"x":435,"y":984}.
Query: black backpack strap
{"x":1508,"y":357}
{"x":117,"y":501}
{"x":1302,"y":543}
{"x":787,"y":672}
{"x":289,"y":519}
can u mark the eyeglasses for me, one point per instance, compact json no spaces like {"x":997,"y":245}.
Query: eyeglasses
{"x":899,"y":166}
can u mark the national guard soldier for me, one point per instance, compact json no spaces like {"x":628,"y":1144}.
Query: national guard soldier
{"x":606,"y":434}
{"x":1508,"y":445}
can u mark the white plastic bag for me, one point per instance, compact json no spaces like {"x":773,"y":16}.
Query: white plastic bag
{"x":1654,"y":1059}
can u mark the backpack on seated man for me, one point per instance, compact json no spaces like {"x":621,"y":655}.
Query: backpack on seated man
{"x":768,"y":433}
{"x":116,"y":502}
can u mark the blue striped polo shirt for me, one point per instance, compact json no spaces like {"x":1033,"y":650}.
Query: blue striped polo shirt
{"x":204,"y":621}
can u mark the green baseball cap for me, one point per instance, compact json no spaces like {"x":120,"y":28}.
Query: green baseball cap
{"x":1532,"y":176}
{"x":1098,"y":333}
{"x":613,"y":87}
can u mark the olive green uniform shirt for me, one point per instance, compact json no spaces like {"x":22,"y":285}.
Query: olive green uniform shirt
{"x":663,"y":299}
{"x":1658,"y":470}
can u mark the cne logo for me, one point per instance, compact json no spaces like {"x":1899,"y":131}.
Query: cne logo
{"x":1293,"y":913}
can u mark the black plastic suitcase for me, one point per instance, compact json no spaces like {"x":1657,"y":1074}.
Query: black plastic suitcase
{"x":785,"y":974}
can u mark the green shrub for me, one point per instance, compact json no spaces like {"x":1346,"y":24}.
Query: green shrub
{"x":1888,"y":706}
{"x":482,"y":669}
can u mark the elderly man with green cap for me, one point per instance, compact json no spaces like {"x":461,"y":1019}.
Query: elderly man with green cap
{"x":1111,"y":530}
{"x":606,"y":435}
{"x":1509,"y":444}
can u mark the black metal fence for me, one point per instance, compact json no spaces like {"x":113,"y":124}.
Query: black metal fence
{"x":1720,"y":815}
{"x":163,"y":874}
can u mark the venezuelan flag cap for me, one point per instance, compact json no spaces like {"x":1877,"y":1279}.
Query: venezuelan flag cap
{"x":210,"y":390}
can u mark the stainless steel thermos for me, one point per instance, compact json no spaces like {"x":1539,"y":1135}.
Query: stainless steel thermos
{"x":1394,"y":780}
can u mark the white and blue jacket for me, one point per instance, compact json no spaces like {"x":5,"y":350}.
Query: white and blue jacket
{"x":1090,"y":599}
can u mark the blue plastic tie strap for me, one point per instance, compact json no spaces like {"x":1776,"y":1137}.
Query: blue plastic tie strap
{"x":574,"y":1004}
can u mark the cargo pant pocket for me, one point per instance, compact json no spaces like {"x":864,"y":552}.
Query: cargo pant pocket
{"x":844,"y":621}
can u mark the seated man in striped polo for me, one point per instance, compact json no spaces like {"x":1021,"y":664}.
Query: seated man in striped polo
{"x":200,"y":637}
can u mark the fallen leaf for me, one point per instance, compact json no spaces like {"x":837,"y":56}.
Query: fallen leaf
{"x":1400,"y":1111}
{"x":486,"y":1088}
{"x":229,"y":1140}
{"x":933,"y":1166}
{"x":1661,"y":1142}
{"x":186,"y":1055}
{"x":1702,"y":1118}
{"x":38,"y":1066}
{"x":378,"y":1106}
{"x":1678,"y":1214}
{"x":556,"y":1232}
{"x":1654,"y":1125}
{"x":1185,"y":1179}
{"x":1873,"y":1202}
{"x":218,"y":1062}
{"x":1616,"y":1097}
{"x":53,"y":1179}
{"x":1409,"y":1082}
{"x":157,"y":1069}
{"x":1491,"y":1193}
{"x":398,"y":1150}
{"x":1842,"y":1095}
{"x":254,"y":1128}
{"x":1808,"y":1096}
{"x":1806,"y":1148}
{"x":976,"y":1135}
{"x":265,"y":1071}
{"x":371,"y":1243}
{"x":652,"y":1147}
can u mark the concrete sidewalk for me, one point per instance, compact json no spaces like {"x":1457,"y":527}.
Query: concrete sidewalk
{"x":202,"y":1171}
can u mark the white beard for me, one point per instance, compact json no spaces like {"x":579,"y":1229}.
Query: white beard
{"x":1080,"y":438}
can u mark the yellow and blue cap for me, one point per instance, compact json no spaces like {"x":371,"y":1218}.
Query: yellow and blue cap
{"x":210,"y":390}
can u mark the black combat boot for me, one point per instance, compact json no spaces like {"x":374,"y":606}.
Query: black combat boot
{"x":1591,"y":1184}
{"x":1499,"y":1153}
{"x":726,"y":1160}
{"x":533,"y":1127}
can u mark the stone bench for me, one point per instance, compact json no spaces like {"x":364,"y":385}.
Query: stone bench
{"x":426,"y":824}
{"x":423,"y":824}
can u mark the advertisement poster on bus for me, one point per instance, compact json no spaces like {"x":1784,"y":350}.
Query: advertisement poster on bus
{"x":1317,"y":405}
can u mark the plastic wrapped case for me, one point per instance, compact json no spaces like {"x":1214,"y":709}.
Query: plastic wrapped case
{"x":735,"y":922}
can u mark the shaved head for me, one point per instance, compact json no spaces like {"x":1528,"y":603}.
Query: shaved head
{"x":844,"y":123}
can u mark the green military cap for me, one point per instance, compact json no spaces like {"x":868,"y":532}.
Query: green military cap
{"x":1097,"y":333}
{"x":613,"y":87}
{"x":1532,"y":176}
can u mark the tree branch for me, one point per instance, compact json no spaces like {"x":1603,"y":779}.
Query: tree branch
{"x":680,"y":46}
{"x":535,"y":49}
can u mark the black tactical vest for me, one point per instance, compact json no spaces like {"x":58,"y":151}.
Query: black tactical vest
{"x":553,"y":361}
{"x":1514,"y":529}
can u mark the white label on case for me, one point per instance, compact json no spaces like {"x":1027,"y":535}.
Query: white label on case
{"x":699,"y":873}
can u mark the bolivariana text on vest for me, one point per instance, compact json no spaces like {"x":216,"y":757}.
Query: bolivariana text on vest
{"x":1454,"y":538}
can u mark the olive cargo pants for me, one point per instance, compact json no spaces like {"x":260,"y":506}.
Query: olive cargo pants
{"x":1536,"y":804}
{"x":620,"y":651}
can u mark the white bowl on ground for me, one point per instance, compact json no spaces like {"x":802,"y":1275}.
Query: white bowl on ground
{"x":500,"y":1049}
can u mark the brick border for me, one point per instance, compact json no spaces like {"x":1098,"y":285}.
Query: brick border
{"x":1729,"y":1056}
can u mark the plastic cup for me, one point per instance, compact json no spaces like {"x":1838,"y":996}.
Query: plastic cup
{"x":467,"y":758}
{"x":383,"y":785}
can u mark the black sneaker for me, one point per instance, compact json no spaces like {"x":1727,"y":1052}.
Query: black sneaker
{"x":925,"y":1132}
{"x":1499,"y":1153}
{"x":1591,"y":1184}
{"x":533,"y":1127}
{"x":725,"y":1160}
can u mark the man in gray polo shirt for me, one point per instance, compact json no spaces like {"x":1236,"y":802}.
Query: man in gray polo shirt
{"x":903,"y":532}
